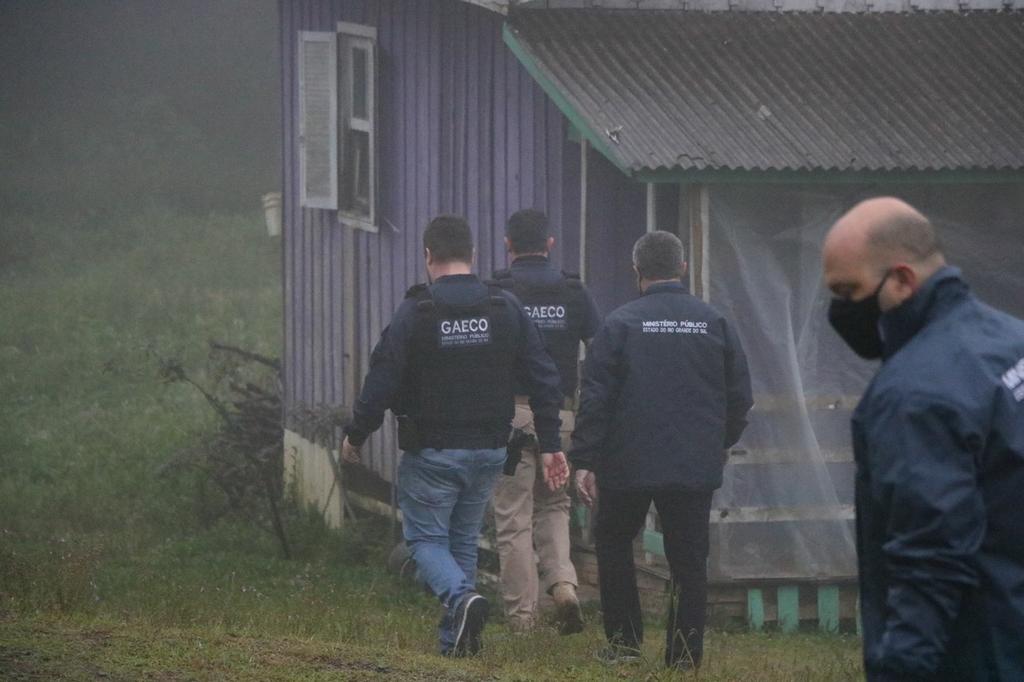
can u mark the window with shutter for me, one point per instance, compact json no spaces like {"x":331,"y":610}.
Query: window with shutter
{"x":318,"y":119}
{"x":357,"y":47}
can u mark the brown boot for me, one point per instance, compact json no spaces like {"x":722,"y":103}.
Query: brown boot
{"x":520,"y":625}
{"x":567,"y":609}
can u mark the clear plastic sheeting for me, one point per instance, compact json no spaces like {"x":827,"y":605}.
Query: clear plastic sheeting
{"x":785,"y":510}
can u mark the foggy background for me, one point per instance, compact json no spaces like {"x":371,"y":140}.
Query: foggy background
{"x":115,"y":104}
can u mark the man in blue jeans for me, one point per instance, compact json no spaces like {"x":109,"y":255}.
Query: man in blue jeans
{"x":447,"y":367}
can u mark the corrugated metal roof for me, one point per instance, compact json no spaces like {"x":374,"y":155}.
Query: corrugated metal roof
{"x":694,"y":91}
{"x":775,"y":5}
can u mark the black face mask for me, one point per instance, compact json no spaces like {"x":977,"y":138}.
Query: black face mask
{"x":856,"y":322}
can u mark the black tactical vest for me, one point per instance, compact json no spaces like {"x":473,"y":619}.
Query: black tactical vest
{"x":558,"y":311}
{"x":461,"y":365}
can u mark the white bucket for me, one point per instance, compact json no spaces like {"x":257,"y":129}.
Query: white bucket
{"x":272,"y":212}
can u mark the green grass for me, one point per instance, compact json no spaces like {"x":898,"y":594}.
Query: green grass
{"x":106,"y":567}
{"x":79,"y":649}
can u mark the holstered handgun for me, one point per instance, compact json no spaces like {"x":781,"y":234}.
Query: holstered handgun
{"x":408,"y":434}
{"x":520,"y":439}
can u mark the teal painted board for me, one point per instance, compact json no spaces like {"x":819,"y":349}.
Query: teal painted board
{"x":828,"y":608}
{"x":755,"y":609}
{"x":654,"y":542}
{"x":580,"y":516}
{"x":789,"y":608}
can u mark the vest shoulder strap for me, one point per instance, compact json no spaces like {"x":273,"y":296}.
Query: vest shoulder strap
{"x":417,"y":290}
{"x":426,"y":304}
{"x":572,"y":280}
{"x":507,"y":284}
{"x":495,"y":289}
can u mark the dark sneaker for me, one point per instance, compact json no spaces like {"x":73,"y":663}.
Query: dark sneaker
{"x":614,"y":654}
{"x":470,"y":617}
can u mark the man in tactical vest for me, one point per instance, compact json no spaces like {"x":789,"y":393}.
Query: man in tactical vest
{"x":527,"y":514}
{"x":447,"y":367}
{"x":665,"y":392}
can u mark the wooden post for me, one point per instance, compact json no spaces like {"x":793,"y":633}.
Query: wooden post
{"x":828,"y":608}
{"x":654,"y":542}
{"x":583,"y":514}
{"x":788,"y":608}
{"x":349,"y":355}
{"x":348,"y":302}
{"x":649,"y":527}
{"x":652,"y":208}
{"x":698,"y":219}
{"x":580,"y":516}
{"x":584,"y":148}
{"x":755,"y":609}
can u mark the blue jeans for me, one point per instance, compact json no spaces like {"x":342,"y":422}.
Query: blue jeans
{"x":443,"y":495}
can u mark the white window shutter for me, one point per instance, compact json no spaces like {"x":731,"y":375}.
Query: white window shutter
{"x":318,"y":119}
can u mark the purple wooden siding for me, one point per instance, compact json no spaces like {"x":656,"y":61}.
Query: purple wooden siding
{"x":462,"y":129}
{"x":616,"y":212}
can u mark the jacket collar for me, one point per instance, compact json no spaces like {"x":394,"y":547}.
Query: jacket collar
{"x":938,"y":295}
{"x":534,"y":259}
{"x":673,"y":287}
{"x":456,"y":279}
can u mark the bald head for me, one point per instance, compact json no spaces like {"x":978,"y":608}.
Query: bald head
{"x":875,"y":237}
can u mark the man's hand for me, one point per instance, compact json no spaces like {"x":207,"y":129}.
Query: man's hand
{"x":556,"y":469}
{"x":350,"y":453}
{"x":586,"y":486}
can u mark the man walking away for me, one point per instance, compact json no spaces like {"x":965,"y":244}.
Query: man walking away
{"x":447,"y":366}
{"x":938,"y":440}
{"x":665,"y":392}
{"x":527,"y":514}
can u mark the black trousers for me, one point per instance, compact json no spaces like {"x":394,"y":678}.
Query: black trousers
{"x":684,"y":522}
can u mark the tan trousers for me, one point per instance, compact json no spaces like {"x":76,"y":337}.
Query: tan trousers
{"x":530,"y":517}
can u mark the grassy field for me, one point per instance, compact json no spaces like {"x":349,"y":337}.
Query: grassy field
{"x":107,"y":566}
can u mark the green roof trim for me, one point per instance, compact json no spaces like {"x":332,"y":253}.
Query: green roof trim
{"x":596,"y":140}
{"x":944,"y":177}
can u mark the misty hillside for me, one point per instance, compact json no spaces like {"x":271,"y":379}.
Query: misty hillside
{"x":105,"y":105}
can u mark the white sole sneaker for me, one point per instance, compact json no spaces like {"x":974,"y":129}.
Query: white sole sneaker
{"x":471,"y":618}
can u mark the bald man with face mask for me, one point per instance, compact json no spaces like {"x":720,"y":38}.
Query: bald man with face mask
{"x":938,"y":441}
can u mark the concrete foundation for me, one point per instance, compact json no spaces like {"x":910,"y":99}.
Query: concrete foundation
{"x":308,"y":472}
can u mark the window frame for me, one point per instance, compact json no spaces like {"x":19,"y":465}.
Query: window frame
{"x":349,"y":38}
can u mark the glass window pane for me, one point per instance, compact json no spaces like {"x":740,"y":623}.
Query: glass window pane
{"x":362,"y":193}
{"x":360,"y":81}
{"x":356,"y":180}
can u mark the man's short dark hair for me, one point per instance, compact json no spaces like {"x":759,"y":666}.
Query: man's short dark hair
{"x":528,"y":231}
{"x":449,"y":239}
{"x":658,"y":255}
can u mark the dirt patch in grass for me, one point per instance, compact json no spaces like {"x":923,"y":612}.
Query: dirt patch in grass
{"x":16,"y":663}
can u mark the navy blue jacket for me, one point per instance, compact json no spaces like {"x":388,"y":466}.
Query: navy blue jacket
{"x":939,"y":445}
{"x":665,"y":390}
{"x":538,"y":271}
{"x":534,"y":368}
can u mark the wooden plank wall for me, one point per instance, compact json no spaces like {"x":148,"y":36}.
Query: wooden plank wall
{"x":462,"y":129}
